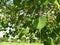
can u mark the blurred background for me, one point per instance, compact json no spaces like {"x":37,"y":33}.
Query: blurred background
{"x":30,"y":21}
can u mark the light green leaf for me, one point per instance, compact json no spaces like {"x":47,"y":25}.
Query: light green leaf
{"x":26,"y":31}
{"x":56,"y":3}
{"x":42,"y":22}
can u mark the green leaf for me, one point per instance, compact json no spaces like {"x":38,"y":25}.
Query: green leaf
{"x":48,"y":41}
{"x":42,"y":22}
{"x":56,"y":3}
{"x":26,"y":31}
{"x":46,"y":2}
{"x":58,"y":18}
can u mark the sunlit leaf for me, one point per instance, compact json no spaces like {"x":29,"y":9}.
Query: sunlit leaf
{"x":26,"y":31}
{"x":42,"y":22}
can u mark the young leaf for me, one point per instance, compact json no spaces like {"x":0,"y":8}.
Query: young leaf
{"x":42,"y":22}
{"x":26,"y":31}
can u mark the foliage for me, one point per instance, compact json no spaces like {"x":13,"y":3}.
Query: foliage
{"x":30,"y":20}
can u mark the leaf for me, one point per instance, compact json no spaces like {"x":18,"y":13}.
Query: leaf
{"x":42,"y":22}
{"x":26,"y":31}
{"x":48,"y":41}
{"x":56,"y":3}
{"x":58,"y":18}
{"x":46,"y":2}
{"x":35,"y":22}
